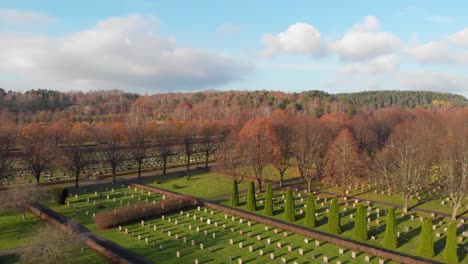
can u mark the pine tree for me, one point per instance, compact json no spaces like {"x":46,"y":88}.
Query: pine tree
{"x":334,"y":226}
{"x":450,"y":251}
{"x":234,"y":194}
{"x":289,"y":207}
{"x":426,"y":245}
{"x":269,"y":200}
{"x":360,"y":225}
{"x":310,"y":220}
{"x":390,"y":238}
{"x":251,"y":201}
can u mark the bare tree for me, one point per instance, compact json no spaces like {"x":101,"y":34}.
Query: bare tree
{"x":137,"y":129}
{"x":188,"y":136}
{"x":284,"y":131}
{"x":310,"y":143}
{"x":231,"y":158}
{"x":75,"y":157}
{"x":209,"y":133}
{"x":20,"y":197}
{"x":8,"y":136}
{"x":163,"y":139}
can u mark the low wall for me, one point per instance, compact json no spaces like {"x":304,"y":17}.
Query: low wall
{"x":109,"y":249}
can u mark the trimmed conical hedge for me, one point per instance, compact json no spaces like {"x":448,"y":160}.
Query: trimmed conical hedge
{"x":289,"y":207}
{"x":268,"y":200}
{"x":234,"y":194}
{"x":334,"y":226}
{"x":450,"y":251}
{"x":390,"y":238}
{"x":310,"y":220}
{"x":251,"y":201}
{"x":360,"y":224}
{"x":426,"y":245}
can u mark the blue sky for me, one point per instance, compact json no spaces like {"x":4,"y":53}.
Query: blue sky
{"x":159,"y":46}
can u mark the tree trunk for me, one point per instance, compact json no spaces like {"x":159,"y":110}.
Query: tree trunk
{"x":405,"y":204}
{"x":37,"y":176}
{"x":139,"y":170}
{"x":309,"y":186}
{"x":455,"y":210}
{"x":164,"y":165}
{"x":77,"y":177}
{"x":114,"y":181}
{"x":188,"y":162}
{"x":259,"y":184}
{"x":207,"y":155}
{"x":281,"y":179}
{"x":23,"y":216}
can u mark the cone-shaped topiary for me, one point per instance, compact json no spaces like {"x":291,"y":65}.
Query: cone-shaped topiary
{"x":450,"y":251}
{"x":310,"y":220}
{"x":360,"y":225}
{"x":334,"y":226}
{"x":269,"y":200}
{"x":390,"y":238}
{"x":251,"y":201}
{"x":234,"y":194}
{"x":289,"y":207}
{"x":426,"y":245}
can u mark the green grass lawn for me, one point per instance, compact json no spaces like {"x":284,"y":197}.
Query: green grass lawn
{"x":202,"y":184}
{"x":408,"y":239}
{"x":14,"y":231}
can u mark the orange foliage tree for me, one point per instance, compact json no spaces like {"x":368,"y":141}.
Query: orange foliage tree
{"x":75,"y":156}
{"x":283,"y":125}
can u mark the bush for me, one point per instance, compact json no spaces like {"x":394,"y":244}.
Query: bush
{"x":360,"y":225}
{"x":128,"y":214}
{"x":426,"y":245}
{"x":390,"y":238}
{"x":100,"y":206}
{"x":334,"y":226}
{"x":251,"y":201}
{"x":450,"y":250}
{"x":289,"y":207}
{"x":234,"y":194}
{"x":175,"y":186}
{"x":187,"y":177}
{"x":269,"y":200}
{"x":156,"y":182}
{"x":59,"y":195}
{"x":310,"y":220}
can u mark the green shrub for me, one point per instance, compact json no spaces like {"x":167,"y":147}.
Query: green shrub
{"x":426,"y":245}
{"x":360,"y":225}
{"x":175,"y":186}
{"x":310,"y":220}
{"x":251,"y":201}
{"x":156,"y":182}
{"x":450,"y":251}
{"x":187,"y":177}
{"x":289,"y":207}
{"x":334,"y":225}
{"x":234,"y":194}
{"x":269,"y":200}
{"x":390,"y":238}
{"x":59,"y":195}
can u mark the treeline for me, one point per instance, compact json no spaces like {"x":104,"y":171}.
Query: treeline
{"x":48,"y":106}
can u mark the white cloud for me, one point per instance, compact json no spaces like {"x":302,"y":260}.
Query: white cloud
{"x":299,"y":38}
{"x":363,"y":41}
{"x":228,"y":28}
{"x":433,"y":81}
{"x":381,"y":64}
{"x":460,"y":38}
{"x":431,"y":52}
{"x":440,"y":19}
{"x":20,"y":17}
{"x":120,"y":51}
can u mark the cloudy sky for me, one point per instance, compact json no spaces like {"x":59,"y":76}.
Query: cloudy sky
{"x":158,"y":46}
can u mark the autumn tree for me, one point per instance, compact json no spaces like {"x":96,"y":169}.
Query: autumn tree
{"x":112,"y":137}
{"x":454,"y":164}
{"x":138,"y":139}
{"x":283,"y":127}
{"x":75,"y":156}
{"x":344,"y":160}
{"x":209,"y":133}
{"x":163,"y":137}
{"x":188,"y":136}
{"x":8,"y":137}
{"x":259,"y":140}
{"x":58,"y":131}
{"x":231,"y":158}
{"x":405,"y":161}
{"x":309,"y":148}
{"x":38,"y":150}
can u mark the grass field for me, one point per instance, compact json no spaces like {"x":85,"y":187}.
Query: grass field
{"x":14,"y":231}
{"x":409,"y":229}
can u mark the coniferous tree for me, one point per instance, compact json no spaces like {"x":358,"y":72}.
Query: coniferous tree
{"x":310,"y":220}
{"x":289,"y":207}
{"x":426,"y":245}
{"x":234,"y":194}
{"x":360,"y":225}
{"x":334,"y":226}
{"x":390,"y":238}
{"x":450,"y":251}
{"x":269,"y":200}
{"x":251,"y":201}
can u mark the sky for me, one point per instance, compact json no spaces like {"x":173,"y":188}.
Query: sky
{"x":149,"y":47}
